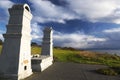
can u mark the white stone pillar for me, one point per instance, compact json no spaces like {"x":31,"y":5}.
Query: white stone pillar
{"x":47,"y":44}
{"x":15,"y":60}
{"x":46,"y":59}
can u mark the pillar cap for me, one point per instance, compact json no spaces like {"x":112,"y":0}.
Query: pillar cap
{"x":48,"y":29}
{"x":21,"y":6}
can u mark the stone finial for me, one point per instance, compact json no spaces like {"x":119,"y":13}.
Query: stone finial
{"x":21,"y":7}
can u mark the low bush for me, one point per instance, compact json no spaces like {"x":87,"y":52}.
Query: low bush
{"x":107,"y":71}
{"x":116,"y":68}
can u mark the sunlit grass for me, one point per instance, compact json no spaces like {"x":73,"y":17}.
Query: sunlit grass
{"x":35,"y":50}
{"x":107,"y":59}
{"x":87,"y":57}
{"x":0,"y":48}
{"x":63,"y":55}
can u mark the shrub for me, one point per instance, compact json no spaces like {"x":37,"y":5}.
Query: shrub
{"x":107,"y":71}
{"x":117,"y":69}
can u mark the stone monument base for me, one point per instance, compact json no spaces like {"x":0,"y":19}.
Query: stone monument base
{"x":41,"y":63}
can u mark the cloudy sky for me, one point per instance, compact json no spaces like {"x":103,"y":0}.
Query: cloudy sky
{"x":76,"y":23}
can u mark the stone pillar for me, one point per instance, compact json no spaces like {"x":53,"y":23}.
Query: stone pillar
{"x":47,"y":44}
{"x":15,"y":60}
{"x":46,"y":59}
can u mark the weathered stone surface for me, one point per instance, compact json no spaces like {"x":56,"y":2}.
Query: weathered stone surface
{"x":15,"y":60}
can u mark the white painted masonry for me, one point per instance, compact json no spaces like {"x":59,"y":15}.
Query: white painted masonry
{"x":15,"y":60}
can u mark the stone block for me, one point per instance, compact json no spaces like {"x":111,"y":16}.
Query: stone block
{"x":41,"y":63}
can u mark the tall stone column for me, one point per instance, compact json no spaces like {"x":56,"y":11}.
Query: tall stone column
{"x":47,"y":44}
{"x":15,"y":60}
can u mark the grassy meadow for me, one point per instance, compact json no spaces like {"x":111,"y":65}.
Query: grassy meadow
{"x":35,"y":50}
{"x":86,"y":57}
{"x":0,"y":48}
{"x":77,"y":56}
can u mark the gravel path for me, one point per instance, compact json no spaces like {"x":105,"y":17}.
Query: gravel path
{"x":71,"y":71}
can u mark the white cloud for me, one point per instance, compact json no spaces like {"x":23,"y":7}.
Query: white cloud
{"x":37,"y":32}
{"x":76,"y":40}
{"x":1,"y":36}
{"x":97,"y":10}
{"x":113,"y":35}
{"x":4,"y":5}
{"x":45,"y":11}
{"x":113,"y":30}
{"x":91,"y":10}
{"x":110,"y":39}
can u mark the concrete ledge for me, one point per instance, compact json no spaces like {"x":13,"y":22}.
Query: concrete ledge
{"x":41,"y":63}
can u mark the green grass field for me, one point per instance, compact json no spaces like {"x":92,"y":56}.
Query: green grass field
{"x":35,"y":50}
{"x":87,"y":57}
{"x":0,"y":48}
